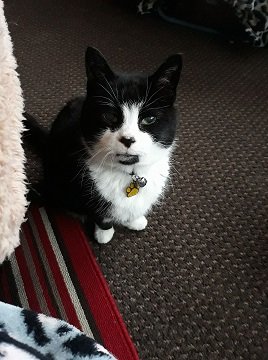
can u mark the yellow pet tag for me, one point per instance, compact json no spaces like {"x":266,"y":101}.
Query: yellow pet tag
{"x":132,"y":189}
{"x":134,"y":186}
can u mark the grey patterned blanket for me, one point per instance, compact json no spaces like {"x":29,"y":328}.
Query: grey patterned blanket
{"x":26,"y":335}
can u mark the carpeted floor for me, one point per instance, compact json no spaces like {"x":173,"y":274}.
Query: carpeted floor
{"x":194,"y":284}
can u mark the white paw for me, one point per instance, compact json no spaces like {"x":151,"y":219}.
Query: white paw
{"x":103,"y":236}
{"x":137,"y":224}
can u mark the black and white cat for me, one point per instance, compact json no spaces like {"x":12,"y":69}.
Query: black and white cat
{"x":107,"y":154}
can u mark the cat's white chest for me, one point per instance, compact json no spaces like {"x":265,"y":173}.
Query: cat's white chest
{"x":112,"y":185}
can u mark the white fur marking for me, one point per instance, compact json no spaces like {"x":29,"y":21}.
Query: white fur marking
{"x":103,"y":236}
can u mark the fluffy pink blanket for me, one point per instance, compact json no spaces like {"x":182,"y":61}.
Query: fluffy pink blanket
{"x":12,"y":177}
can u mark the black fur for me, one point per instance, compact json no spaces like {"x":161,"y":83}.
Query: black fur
{"x":35,"y":136}
{"x":67,"y":181}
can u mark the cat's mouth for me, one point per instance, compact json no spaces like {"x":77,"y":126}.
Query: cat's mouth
{"x":126,"y":159}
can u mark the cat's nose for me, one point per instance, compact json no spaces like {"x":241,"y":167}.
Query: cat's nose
{"x":127,"y":141}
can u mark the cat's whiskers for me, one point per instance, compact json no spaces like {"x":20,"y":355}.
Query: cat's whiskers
{"x":102,"y":163}
{"x":110,"y":87}
{"x":159,"y":89}
{"x":159,"y":107}
{"x":102,"y":97}
{"x":96,"y":154}
{"x":92,"y":190}
{"x":152,"y":102}
{"x":148,"y":89}
{"x":106,"y":101}
{"x":85,"y":169}
{"x":108,"y":92}
{"x":102,"y":205}
{"x":79,"y":151}
{"x":103,"y":160}
{"x":81,"y":161}
{"x":112,"y":162}
{"x":107,"y":104}
{"x":116,"y":88}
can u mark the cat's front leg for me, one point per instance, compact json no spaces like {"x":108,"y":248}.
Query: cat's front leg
{"x":104,"y":231}
{"x":137,"y":224}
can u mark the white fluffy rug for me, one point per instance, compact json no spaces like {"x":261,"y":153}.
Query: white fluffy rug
{"x":12,"y":178}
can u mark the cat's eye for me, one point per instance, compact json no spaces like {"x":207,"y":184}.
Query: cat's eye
{"x":110,"y":118}
{"x":148,"y":120}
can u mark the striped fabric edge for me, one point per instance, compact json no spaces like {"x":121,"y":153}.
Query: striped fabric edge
{"x":34,"y":279}
{"x":108,"y":319}
{"x":63,"y":287}
{"x":55,"y":272}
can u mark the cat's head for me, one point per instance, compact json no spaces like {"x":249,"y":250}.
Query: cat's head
{"x":129,"y":119}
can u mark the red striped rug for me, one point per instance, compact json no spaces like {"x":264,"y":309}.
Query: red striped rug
{"x":54,"y":271}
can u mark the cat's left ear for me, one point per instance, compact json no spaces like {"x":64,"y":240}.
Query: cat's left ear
{"x":96,"y":65}
{"x":169,"y":72}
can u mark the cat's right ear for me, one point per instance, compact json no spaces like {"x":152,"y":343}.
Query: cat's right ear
{"x":168,"y":74}
{"x":97,"y":67}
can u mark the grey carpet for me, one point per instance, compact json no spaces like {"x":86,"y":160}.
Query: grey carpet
{"x":194,"y":284}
